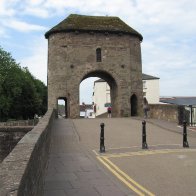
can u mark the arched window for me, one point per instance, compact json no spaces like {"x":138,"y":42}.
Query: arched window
{"x":98,"y":54}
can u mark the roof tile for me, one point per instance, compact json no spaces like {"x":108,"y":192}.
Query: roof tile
{"x":84,"y":23}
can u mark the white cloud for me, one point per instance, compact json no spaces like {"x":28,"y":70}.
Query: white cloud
{"x":159,"y":59}
{"x":35,"y":2}
{"x":178,"y":84}
{"x":37,"y":59}
{"x":2,"y":33}
{"x":22,"y":26}
{"x":37,"y":11}
{"x":168,"y":27}
{"x":174,"y":63}
{"x":180,"y":16}
{"x":7,"y":9}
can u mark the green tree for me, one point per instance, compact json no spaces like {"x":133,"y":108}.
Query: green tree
{"x":21,"y":95}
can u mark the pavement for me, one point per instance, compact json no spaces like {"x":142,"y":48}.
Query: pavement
{"x":76,"y":167}
{"x":71,"y":170}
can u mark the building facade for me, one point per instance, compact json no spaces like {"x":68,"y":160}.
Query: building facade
{"x":101,"y":96}
{"x":151,"y":88}
{"x":94,"y":46}
{"x":101,"y":93}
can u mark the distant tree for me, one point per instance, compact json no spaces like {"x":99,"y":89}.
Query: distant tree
{"x":21,"y":95}
{"x":41,"y":90}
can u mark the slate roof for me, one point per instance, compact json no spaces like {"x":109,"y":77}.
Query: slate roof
{"x":148,"y":77}
{"x":100,"y":80}
{"x":87,"y":107}
{"x":83,"y":23}
{"x":144,"y":77}
{"x":179,"y":100}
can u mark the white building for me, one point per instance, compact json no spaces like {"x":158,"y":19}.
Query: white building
{"x":101,"y":96}
{"x":101,"y":92}
{"x":151,"y":88}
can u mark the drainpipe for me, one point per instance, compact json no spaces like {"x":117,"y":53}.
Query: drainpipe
{"x":191,"y":115}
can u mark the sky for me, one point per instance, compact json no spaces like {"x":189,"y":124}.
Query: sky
{"x":168,"y":28}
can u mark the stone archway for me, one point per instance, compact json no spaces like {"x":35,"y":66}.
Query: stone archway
{"x":111,"y":82}
{"x":66,"y":108}
{"x":84,"y":46}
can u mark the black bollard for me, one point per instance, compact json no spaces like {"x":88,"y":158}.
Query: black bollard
{"x":102,"y":147}
{"x":144,"y":143}
{"x":185,"y":142}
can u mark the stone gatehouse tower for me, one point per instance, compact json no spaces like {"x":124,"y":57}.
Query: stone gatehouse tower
{"x":95,"y":46}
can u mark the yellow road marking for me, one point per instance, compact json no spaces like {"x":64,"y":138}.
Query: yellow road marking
{"x":151,"y":152}
{"x":128,"y":177}
{"x":96,"y":151}
{"x":121,"y":178}
{"x":130,"y":147}
{"x":127,"y":180}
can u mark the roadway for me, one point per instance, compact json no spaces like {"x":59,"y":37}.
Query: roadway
{"x":166,"y":168}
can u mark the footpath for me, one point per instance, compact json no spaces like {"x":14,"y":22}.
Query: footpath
{"x":72,"y":171}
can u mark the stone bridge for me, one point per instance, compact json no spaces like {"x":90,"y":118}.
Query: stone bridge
{"x":114,"y":55}
{"x":22,"y":171}
{"x":54,"y":158}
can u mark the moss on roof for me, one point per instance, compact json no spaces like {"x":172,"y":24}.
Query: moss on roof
{"x":84,"y":23}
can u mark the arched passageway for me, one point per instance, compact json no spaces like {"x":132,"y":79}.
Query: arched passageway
{"x":62,"y":107}
{"x":134,"y":105}
{"x":78,"y":50}
{"x":86,"y":97}
{"x":110,"y":81}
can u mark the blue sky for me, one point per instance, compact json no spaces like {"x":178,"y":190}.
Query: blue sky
{"x":168,"y":28}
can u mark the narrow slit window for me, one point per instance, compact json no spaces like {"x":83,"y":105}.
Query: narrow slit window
{"x":98,"y":54}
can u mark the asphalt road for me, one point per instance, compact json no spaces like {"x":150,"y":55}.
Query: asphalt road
{"x":166,"y":168}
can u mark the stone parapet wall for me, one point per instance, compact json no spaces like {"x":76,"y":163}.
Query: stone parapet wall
{"x":9,"y":137}
{"x":22,"y":171}
{"x":31,"y":122}
{"x":164,"y":112}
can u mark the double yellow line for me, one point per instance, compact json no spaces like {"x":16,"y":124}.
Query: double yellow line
{"x":132,"y":184}
{"x":150,"y":152}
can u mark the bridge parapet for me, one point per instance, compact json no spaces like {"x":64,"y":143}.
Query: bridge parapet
{"x":9,"y":137}
{"x":30,"y":122}
{"x":22,"y":171}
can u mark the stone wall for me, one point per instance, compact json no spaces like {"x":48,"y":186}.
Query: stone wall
{"x":164,"y":112}
{"x":72,"y":58}
{"x":22,"y":171}
{"x":31,"y":122}
{"x":9,"y":137}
